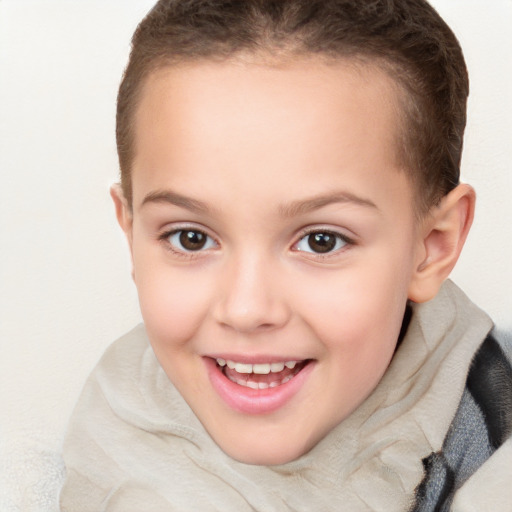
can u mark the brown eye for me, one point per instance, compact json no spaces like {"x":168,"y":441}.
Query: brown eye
{"x":190,"y":240}
{"x":320,"y":242}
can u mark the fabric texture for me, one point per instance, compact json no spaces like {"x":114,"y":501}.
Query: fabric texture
{"x":134,"y":444}
{"x":482,"y":424}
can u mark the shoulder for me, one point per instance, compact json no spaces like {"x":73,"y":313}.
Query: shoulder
{"x":129,"y":387}
{"x":481,"y":426}
{"x":113,"y":387}
{"x":120,"y":370}
{"x":125,"y":352}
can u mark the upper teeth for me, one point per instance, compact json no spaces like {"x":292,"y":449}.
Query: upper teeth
{"x":262,"y":368}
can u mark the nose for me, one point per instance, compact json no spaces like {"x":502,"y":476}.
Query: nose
{"x":252,"y":297}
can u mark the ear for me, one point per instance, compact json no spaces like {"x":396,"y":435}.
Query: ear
{"x":123,"y":211}
{"x":443,"y":234}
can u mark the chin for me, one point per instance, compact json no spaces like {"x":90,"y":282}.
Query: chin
{"x":263,"y":453}
{"x":259,"y":458}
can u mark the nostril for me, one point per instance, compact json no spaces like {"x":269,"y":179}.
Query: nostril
{"x":243,"y":327}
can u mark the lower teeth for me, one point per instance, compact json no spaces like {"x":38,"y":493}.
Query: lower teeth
{"x":260,"y":385}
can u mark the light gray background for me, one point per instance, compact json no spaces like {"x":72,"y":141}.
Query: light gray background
{"x":65,"y":287}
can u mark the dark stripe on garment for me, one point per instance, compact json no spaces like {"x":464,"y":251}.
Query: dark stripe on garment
{"x":429,"y":495}
{"x":490,"y":384}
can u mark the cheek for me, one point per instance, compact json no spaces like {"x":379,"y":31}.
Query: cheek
{"x":358,"y":311}
{"x":173,"y":302}
{"x":359,"y":334}
{"x":359,"y":321}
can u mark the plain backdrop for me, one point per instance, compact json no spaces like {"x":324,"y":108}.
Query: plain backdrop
{"x":65,"y":286}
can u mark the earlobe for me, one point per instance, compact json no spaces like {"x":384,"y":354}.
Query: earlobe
{"x":444,"y":232}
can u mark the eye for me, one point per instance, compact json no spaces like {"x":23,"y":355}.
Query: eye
{"x":190,"y":240}
{"x":321,"y":242}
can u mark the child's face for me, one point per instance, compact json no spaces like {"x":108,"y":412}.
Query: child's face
{"x":271,"y":224}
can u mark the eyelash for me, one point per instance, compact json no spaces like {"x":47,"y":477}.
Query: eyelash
{"x":189,"y":254}
{"x":340,"y":237}
{"x":165,"y":237}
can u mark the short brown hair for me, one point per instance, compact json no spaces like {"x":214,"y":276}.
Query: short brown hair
{"x":407,"y":37}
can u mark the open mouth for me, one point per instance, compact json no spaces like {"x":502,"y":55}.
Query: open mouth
{"x":258,"y":388}
{"x":262,"y":375}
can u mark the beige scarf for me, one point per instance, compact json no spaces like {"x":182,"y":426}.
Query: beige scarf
{"x":134,"y":444}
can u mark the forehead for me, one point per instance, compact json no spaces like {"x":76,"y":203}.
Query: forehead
{"x":234,"y":119}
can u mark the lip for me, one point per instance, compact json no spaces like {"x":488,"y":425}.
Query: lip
{"x":255,"y":401}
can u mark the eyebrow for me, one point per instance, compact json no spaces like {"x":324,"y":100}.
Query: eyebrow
{"x":292,"y":209}
{"x":316,"y":202}
{"x":170,"y":197}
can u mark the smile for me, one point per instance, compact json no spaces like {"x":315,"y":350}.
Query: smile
{"x":261,"y":375}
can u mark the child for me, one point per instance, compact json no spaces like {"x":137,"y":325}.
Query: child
{"x":290,"y":194}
